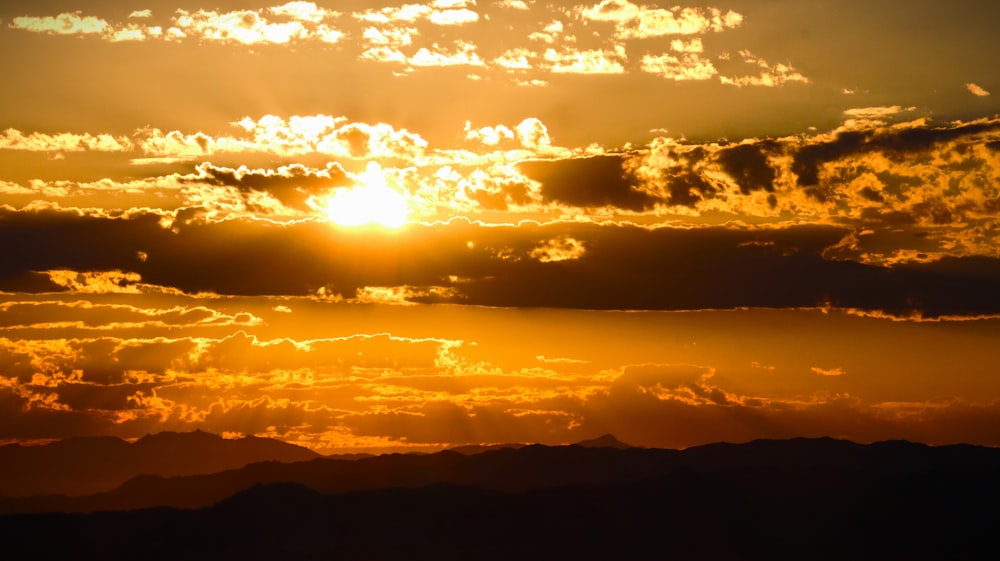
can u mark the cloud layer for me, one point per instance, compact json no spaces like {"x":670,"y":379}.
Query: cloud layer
{"x":372,"y":227}
{"x":578,"y":39}
{"x":375,"y":391}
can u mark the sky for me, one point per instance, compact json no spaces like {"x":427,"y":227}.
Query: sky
{"x":395,"y":226}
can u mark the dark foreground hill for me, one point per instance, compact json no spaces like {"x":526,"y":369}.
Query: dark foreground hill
{"x":734,"y":513}
{"x":796,"y":499}
{"x":84,"y":465}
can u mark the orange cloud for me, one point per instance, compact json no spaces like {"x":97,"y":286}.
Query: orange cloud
{"x":827,"y":371}
{"x":421,"y":36}
{"x":687,"y":67}
{"x":302,"y":21}
{"x":558,"y":249}
{"x":976,"y":90}
{"x":87,"y":315}
{"x":380,"y":389}
{"x":62,"y":24}
{"x":640,"y":22}
{"x":593,"y":61}
{"x":104,"y":282}
{"x":769,"y":76}
{"x":13,"y":139}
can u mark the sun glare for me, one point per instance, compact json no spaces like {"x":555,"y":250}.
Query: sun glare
{"x":371,"y":202}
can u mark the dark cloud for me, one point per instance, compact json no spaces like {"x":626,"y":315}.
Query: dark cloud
{"x":905,"y":141}
{"x":871,"y":194}
{"x":18,"y":419}
{"x":292,"y":184}
{"x":596,"y":181}
{"x":687,"y":189}
{"x":40,"y":240}
{"x":29,"y":282}
{"x":895,"y":143}
{"x":808,"y":159}
{"x":748,"y":165}
{"x":621,"y":267}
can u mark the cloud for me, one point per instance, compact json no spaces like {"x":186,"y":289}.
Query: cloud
{"x":87,"y":282}
{"x":404,"y":295}
{"x":495,"y":384}
{"x":63,"y":24}
{"x":453,"y":17}
{"x":871,"y":117}
{"x":463,"y":54}
{"x":687,"y":409}
{"x":558,"y":249}
{"x":298,"y":21}
{"x":245,"y":26}
{"x":624,"y":266}
{"x":237,"y":382}
{"x":640,"y":22}
{"x":296,"y":135}
{"x":827,"y":371}
{"x":513,"y":4}
{"x":533,"y":134}
{"x":976,"y":90}
{"x":692,"y":46}
{"x":899,"y":140}
{"x":388,"y":40}
{"x":921,"y":191}
{"x":207,"y":288}
{"x":303,"y":11}
{"x":292,"y":185}
{"x":769,"y":76}
{"x":550,"y":33}
{"x":688,"y":67}
{"x":64,"y":316}
{"x":13,"y":139}
{"x":593,"y":61}
{"x":516,"y":59}
{"x":874,"y":114}
{"x":588,"y":182}
{"x":489,"y":136}
{"x":424,"y":36}
{"x":749,"y":166}
{"x":690,"y":64}
{"x":437,"y":13}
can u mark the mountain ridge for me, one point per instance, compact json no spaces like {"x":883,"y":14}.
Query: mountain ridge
{"x":88,"y":465}
{"x":818,"y":513}
{"x":517,"y":470}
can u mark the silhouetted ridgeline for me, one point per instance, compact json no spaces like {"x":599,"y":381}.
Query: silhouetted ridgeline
{"x":83,"y":465}
{"x":796,"y":499}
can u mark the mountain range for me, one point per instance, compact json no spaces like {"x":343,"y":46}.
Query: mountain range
{"x":767,"y":499}
{"x":86,"y":465}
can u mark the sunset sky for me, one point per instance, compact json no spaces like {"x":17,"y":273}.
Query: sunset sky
{"x":362,"y":226}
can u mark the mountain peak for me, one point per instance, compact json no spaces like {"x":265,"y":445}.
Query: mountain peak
{"x":604,"y":441}
{"x":168,"y":435}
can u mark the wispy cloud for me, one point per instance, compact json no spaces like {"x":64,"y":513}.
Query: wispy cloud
{"x":976,"y":90}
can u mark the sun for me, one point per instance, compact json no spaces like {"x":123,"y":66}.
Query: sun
{"x":372,"y":202}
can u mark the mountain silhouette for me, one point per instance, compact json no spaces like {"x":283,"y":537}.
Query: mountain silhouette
{"x":87,"y":465}
{"x":741,"y":507}
{"x":604,"y":441}
{"x":520,"y":470}
{"x":480,"y":448}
